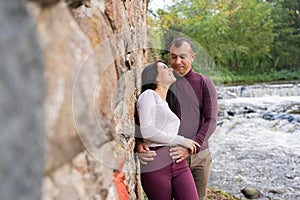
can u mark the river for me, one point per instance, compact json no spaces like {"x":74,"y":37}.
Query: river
{"x":257,"y":141}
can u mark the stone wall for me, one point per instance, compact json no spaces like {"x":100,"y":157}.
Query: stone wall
{"x":22,"y":89}
{"x":93,"y":52}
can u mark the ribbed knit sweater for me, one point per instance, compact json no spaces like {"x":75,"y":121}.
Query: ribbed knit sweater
{"x":198,"y":107}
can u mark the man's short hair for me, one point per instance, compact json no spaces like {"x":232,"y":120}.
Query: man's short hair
{"x":178,"y":42}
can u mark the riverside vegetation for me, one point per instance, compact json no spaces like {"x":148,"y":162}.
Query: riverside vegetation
{"x":248,"y":41}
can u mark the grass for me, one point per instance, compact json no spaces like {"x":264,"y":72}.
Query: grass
{"x":218,"y":194}
{"x":233,"y":78}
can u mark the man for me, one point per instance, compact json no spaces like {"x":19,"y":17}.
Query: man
{"x":197,"y":110}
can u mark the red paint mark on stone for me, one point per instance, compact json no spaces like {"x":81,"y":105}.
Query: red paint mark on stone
{"x":119,"y":179}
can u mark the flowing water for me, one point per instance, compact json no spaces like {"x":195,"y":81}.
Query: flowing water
{"x":250,"y":151}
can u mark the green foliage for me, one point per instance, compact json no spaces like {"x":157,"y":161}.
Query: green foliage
{"x":286,"y":51}
{"x":247,"y":40}
{"x":230,"y":77}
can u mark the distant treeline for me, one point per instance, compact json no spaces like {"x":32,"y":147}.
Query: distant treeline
{"x":248,"y":40}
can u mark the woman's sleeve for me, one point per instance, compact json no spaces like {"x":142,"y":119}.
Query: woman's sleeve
{"x":147,"y":109}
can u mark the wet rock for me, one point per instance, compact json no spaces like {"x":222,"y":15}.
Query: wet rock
{"x":231,"y":112}
{"x":230,"y":95}
{"x":276,"y":191}
{"x":290,"y":176}
{"x":248,"y":110}
{"x":244,"y":92}
{"x":282,"y":116}
{"x":251,"y":193}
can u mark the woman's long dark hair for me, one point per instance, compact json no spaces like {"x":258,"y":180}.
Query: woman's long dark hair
{"x":173,"y":101}
{"x":149,"y":76}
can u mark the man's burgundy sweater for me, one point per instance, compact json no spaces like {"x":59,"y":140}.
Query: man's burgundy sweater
{"x":198,"y":107}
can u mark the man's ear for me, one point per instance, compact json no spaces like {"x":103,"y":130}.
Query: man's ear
{"x":193,"y":56}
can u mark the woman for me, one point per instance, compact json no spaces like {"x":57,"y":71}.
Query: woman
{"x":163,"y":179}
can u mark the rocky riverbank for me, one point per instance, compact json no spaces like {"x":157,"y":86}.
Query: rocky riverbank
{"x":220,"y":195}
{"x":250,"y":150}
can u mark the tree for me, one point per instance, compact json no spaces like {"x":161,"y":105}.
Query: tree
{"x":285,"y":48}
{"x":236,"y":33}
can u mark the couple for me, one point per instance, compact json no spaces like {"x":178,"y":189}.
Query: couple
{"x":176,"y":117}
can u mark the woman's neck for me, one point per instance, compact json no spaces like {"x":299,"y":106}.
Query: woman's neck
{"x":162,"y":91}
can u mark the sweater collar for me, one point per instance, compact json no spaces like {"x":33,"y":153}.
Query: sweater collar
{"x":190,"y":74}
{"x":187,"y":76}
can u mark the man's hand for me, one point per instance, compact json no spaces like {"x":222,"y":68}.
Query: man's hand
{"x":179,"y":153}
{"x":144,"y":153}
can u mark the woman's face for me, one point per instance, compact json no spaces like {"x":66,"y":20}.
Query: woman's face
{"x":165,"y":74}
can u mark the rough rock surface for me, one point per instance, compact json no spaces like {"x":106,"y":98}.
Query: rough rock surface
{"x":93,"y":51}
{"x":22,"y":92}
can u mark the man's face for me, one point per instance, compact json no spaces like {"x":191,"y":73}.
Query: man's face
{"x":181,"y":58}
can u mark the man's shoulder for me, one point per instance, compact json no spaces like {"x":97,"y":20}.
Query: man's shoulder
{"x":202,"y":77}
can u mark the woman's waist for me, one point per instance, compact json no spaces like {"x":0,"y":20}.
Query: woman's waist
{"x":155,"y":148}
{"x":162,"y":159}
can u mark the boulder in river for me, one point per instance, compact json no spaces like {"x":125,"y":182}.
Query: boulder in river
{"x":251,"y":193}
